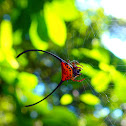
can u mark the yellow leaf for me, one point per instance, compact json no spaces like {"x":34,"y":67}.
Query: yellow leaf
{"x":6,"y":35}
{"x":88,"y":70}
{"x":6,"y":42}
{"x":101,"y":81}
{"x":55,"y":25}
{"x":90,"y":99}
{"x":66,"y":9}
{"x":66,"y":99}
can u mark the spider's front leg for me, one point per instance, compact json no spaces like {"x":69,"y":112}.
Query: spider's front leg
{"x":75,"y":63}
{"x":73,"y":78}
{"x":78,"y":63}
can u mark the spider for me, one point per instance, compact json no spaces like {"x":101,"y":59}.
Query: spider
{"x":70,"y":71}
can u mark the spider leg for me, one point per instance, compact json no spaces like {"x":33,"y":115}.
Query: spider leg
{"x":74,"y":63}
{"x":80,"y":80}
{"x":79,"y":64}
{"x":73,"y":78}
{"x":69,"y":62}
{"x":79,"y":68}
{"x":46,"y":96}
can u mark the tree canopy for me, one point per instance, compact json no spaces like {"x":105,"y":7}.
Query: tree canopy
{"x":61,"y":28}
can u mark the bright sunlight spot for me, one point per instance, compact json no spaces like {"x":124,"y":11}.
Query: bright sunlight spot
{"x":117,"y":113}
{"x":118,"y":10}
{"x":114,"y":43}
{"x":102,"y":112}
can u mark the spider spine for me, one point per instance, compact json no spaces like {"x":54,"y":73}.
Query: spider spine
{"x":60,"y":59}
{"x":46,"y":96}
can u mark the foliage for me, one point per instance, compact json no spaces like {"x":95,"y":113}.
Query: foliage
{"x":56,"y":26}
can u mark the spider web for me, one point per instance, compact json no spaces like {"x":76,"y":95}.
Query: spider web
{"x":103,"y":111}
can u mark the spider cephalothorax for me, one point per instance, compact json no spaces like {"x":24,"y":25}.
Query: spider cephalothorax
{"x":75,"y":70}
{"x":70,"y":71}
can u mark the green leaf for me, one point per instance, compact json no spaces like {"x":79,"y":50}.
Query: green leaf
{"x":66,"y":99}
{"x":8,"y":74}
{"x":105,"y":67}
{"x":42,"y":28}
{"x":101,"y":81}
{"x":88,"y":70}
{"x":90,"y":99}
{"x":11,"y":59}
{"x":1,"y":56}
{"x":60,"y":116}
{"x":119,"y":80}
{"x":6,"y":42}
{"x":27,"y":81}
{"x":66,"y":9}
{"x":6,"y":39}
{"x":27,"y":97}
{"x":56,"y":26}
{"x":17,"y":36}
{"x":98,"y":54}
{"x":35,"y":39}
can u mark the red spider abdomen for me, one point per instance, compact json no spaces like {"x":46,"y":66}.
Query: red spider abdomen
{"x":67,"y":71}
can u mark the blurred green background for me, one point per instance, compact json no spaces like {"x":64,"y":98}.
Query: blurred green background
{"x":60,"y":27}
